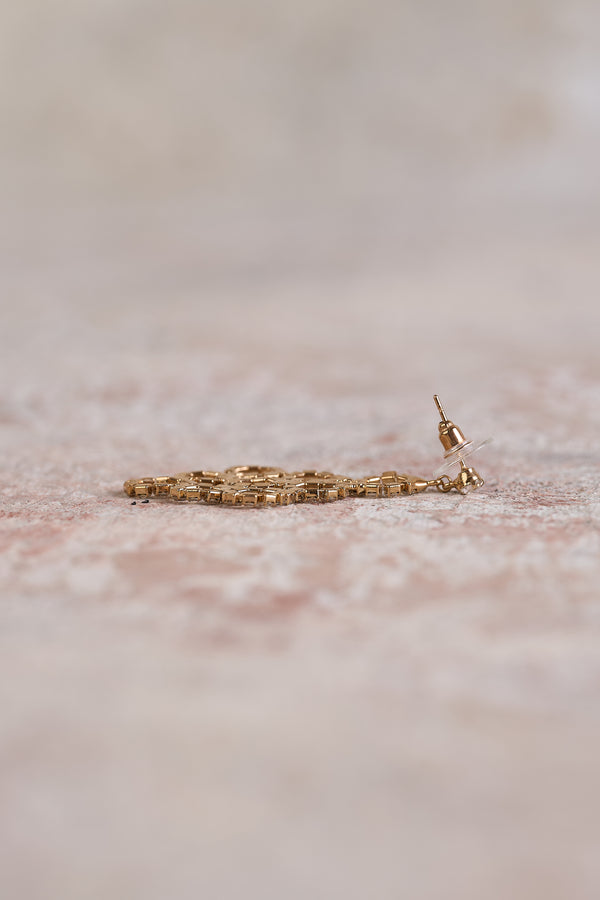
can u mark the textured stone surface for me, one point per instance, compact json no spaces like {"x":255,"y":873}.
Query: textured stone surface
{"x":390,"y":698}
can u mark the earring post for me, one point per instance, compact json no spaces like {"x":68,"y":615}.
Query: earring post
{"x":438,"y":403}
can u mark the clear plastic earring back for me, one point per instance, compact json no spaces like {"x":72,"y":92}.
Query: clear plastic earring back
{"x":459,"y":454}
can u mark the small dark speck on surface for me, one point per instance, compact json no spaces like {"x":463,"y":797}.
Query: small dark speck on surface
{"x":133,"y":502}
{"x":145,"y":501}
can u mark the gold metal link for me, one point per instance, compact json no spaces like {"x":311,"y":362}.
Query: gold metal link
{"x":242,"y":486}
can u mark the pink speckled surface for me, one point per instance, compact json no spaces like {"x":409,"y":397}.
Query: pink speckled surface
{"x":386,"y":699}
{"x":198,"y":699}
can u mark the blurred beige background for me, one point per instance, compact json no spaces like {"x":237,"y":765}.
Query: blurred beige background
{"x":258,"y":139}
{"x":266,"y":233}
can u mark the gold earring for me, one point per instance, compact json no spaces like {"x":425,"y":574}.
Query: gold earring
{"x":264,"y":486}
